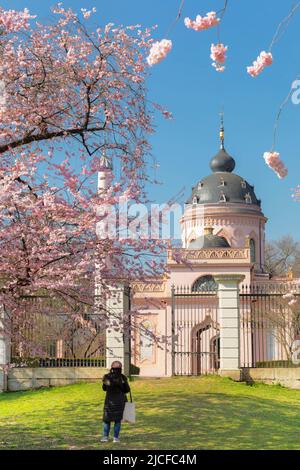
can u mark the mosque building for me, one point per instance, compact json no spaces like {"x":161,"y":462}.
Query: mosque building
{"x":223,"y":231}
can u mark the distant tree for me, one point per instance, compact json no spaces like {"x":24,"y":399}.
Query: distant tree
{"x":281,"y":255}
{"x":282,"y":321}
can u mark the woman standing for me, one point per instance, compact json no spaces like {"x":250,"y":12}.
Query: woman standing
{"x":115,"y":384}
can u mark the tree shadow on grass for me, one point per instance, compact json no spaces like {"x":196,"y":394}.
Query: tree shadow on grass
{"x":171,"y":421}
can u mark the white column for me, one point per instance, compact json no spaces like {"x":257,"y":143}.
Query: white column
{"x":4,"y":354}
{"x":117,"y":332}
{"x":229,"y":319}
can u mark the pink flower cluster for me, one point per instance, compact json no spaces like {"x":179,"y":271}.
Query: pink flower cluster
{"x":159,"y":51}
{"x":202,"y":23}
{"x":291,"y":298}
{"x":87,"y":13}
{"x":272,"y":159}
{"x":218,"y":55}
{"x":11,"y":20}
{"x":263,"y":60}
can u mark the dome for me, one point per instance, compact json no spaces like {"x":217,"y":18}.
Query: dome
{"x":222,"y":185}
{"x":208,"y":240}
{"x":222,"y":162}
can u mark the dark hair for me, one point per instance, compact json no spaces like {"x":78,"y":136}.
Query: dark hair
{"x":116,"y":364}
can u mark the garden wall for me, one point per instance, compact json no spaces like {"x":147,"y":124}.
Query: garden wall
{"x":26,"y":378}
{"x":288,"y":377}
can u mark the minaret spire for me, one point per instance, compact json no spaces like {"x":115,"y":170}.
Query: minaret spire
{"x":222,"y":162}
{"x":222,"y":132}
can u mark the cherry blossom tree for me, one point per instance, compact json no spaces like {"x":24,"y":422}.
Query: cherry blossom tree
{"x":72,"y":92}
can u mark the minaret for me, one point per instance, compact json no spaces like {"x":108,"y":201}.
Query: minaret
{"x":112,"y":301}
{"x":105,"y":173}
{"x":105,"y":177}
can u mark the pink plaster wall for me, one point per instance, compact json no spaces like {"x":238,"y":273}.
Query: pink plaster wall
{"x":235,"y":222}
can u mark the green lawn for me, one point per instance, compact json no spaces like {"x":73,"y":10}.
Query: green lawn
{"x":177,"y":413}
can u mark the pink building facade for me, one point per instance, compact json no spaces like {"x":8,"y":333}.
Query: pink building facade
{"x":223,"y":234}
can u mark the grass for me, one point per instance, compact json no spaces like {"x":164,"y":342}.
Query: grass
{"x":176,"y":413}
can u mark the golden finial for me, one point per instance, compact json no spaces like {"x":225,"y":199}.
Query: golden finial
{"x":222,"y":132}
{"x":290,"y":274}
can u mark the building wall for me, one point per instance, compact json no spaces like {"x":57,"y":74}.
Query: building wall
{"x":235,"y":222}
{"x":185,"y":276}
{"x":150,"y":346}
{"x":154,"y":306}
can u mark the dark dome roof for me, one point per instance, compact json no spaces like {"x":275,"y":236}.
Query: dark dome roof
{"x":208,"y":241}
{"x":222,"y":185}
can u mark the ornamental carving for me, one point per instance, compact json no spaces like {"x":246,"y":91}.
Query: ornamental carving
{"x":148,"y":286}
{"x":219,"y":253}
{"x":225,"y":221}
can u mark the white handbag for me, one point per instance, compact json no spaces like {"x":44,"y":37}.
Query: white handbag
{"x":129,"y":411}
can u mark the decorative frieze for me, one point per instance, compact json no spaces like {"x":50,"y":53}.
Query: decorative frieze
{"x":148,"y":286}
{"x":213,"y":253}
{"x":222,"y":221}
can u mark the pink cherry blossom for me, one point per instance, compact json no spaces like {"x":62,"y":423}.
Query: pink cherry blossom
{"x":292,"y":300}
{"x":13,"y":21}
{"x":202,"y":23}
{"x":159,"y":51}
{"x":272,"y":159}
{"x":263,"y":60}
{"x":87,"y":13}
{"x":288,"y":295}
{"x":218,"y":55}
{"x":75,"y":83}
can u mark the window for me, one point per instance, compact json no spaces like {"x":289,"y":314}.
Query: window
{"x":248,"y":198}
{"x":222,"y":182}
{"x":252,"y":251}
{"x":243,"y":184}
{"x":204,"y":284}
{"x":195,"y":200}
{"x":223,"y":198}
{"x":52,"y":349}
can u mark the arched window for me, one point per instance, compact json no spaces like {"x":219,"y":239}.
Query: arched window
{"x":204,"y":284}
{"x":252,"y":251}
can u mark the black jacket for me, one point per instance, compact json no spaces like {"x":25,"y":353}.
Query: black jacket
{"x":116,"y":387}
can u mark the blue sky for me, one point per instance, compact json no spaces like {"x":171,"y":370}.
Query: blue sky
{"x":187,"y":85}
